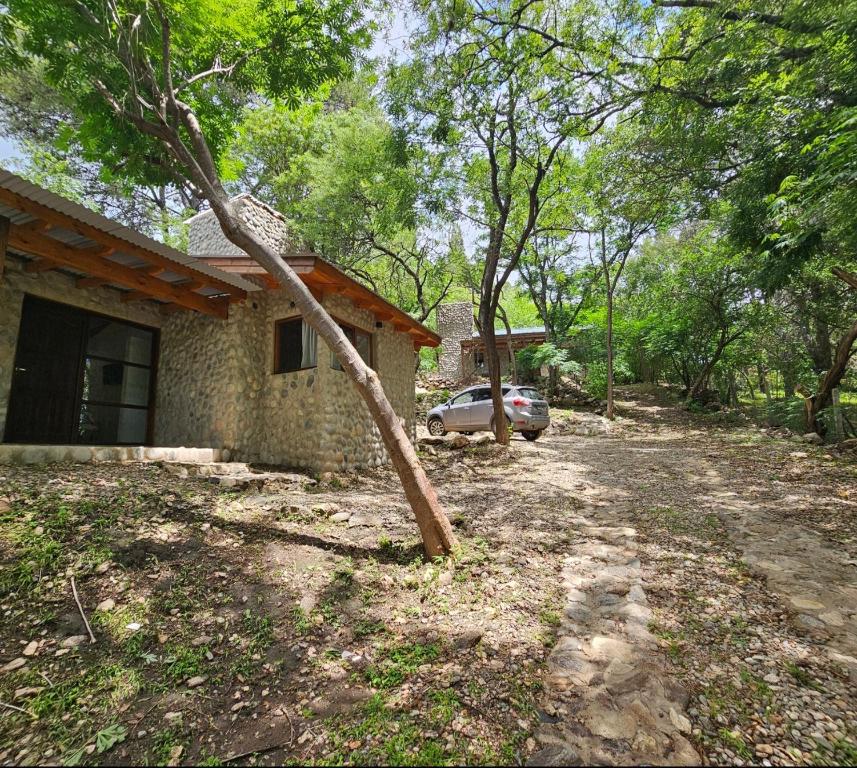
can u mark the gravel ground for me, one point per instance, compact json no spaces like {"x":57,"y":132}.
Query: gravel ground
{"x":299,"y":622}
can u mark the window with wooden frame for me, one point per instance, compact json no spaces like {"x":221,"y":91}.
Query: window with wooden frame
{"x":361,"y":340}
{"x":295,"y":346}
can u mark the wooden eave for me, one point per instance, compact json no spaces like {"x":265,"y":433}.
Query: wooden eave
{"x":519,"y":341}
{"x":94,"y":265}
{"x":322,"y":277}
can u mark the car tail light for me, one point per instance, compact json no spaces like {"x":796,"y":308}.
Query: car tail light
{"x":519,"y":401}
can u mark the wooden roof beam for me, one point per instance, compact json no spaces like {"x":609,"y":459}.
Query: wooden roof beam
{"x":86,"y":261}
{"x":105,"y":239}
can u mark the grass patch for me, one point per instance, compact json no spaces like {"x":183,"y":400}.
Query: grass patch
{"x":396,"y":663}
{"x":384,"y":736}
{"x":734,"y":742}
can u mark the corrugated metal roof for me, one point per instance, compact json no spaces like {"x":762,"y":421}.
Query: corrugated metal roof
{"x":80,"y":213}
{"x":515,"y":331}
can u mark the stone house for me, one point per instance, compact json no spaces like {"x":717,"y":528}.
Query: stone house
{"x":462,"y":354}
{"x":113,"y":345}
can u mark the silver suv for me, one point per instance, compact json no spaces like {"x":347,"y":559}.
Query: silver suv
{"x":472,"y":410}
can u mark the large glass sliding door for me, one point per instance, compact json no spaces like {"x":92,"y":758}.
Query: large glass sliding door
{"x":94,"y":373}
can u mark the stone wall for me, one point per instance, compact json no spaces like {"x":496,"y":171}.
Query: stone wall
{"x":454,"y":324}
{"x":217,"y":389}
{"x":215,"y":384}
{"x":15,"y":283}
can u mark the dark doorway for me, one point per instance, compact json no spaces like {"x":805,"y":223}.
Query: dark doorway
{"x":80,"y":378}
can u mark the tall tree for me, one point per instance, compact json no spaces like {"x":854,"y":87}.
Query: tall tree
{"x":163,"y":84}
{"x":755,"y":103}
{"x":360,"y":194}
{"x":500,"y":108}
{"x":620,"y":204}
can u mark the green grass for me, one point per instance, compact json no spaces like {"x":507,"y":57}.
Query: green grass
{"x":736,"y":743}
{"x":301,"y":621}
{"x":382,"y":735}
{"x":396,"y":663}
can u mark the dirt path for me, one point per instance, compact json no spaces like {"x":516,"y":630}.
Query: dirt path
{"x":666,"y":592}
{"x":766,"y":652}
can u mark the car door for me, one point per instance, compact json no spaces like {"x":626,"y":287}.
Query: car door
{"x":458,"y":415}
{"x":481,"y":410}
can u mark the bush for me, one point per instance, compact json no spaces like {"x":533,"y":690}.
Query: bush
{"x":532,"y":358}
{"x":595,"y":380}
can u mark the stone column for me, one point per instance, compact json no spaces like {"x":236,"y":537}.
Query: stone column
{"x":454,"y":325}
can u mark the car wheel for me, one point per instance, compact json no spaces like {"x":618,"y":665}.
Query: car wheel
{"x":531,"y":434}
{"x":435,"y":427}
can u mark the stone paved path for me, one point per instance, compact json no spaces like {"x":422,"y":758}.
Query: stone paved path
{"x":621,"y":703}
{"x":816,"y":580}
{"x":623,"y":706}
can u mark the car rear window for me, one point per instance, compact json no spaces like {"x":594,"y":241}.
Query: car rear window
{"x":529,"y":393}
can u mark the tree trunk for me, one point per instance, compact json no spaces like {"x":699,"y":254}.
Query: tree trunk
{"x":789,"y":383}
{"x":821,"y":399}
{"x":437,"y":535}
{"x":610,"y":285}
{"x":610,"y":355}
{"x":513,"y":365}
{"x":492,"y":359}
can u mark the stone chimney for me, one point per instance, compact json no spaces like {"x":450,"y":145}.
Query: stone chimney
{"x":206,"y":239}
{"x":454,"y":325}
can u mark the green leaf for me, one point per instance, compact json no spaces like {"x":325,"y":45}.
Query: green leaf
{"x":109,"y":737}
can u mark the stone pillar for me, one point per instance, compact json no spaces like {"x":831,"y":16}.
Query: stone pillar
{"x":454,"y":325}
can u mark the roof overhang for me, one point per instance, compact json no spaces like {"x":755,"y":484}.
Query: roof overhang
{"x":51,"y":232}
{"x":519,"y":340}
{"x":322,"y":278}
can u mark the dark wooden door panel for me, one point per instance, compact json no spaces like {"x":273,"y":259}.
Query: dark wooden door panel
{"x":44,"y":400}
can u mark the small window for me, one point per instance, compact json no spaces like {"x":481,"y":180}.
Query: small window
{"x":295,"y":346}
{"x":360,"y":340}
{"x":481,"y":395}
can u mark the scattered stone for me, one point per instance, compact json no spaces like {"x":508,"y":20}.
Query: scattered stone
{"x":11,"y":666}
{"x":196,"y":681}
{"x":31,"y":648}
{"x":679,"y":721}
{"x":74,"y":641}
{"x":467,"y":639}
{"x":106,"y":605}
{"x":175,"y":755}
{"x":340,"y":517}
{"x":459,"y":441}
{"x":21,"y":693}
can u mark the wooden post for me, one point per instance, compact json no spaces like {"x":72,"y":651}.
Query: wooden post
{"x":4,"y":242}
{"x":838,"y":425}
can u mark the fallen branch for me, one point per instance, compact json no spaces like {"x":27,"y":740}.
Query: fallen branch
{"x":18,"y":709}
{"x":82,"y":614}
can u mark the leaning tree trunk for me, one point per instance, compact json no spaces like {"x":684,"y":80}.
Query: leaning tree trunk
{"x":821,"y":399}
{"x":437,"y":535}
